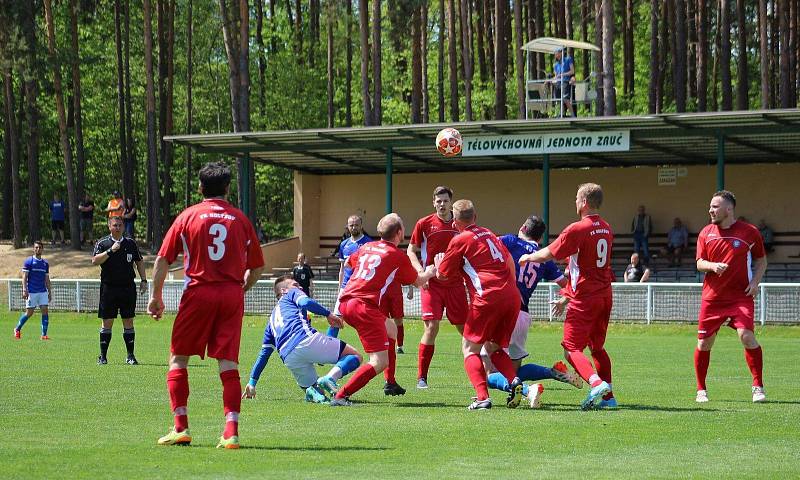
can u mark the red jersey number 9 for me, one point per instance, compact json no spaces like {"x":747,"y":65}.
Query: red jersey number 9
{"x":602,"y":252}
{"x":217,"y":248}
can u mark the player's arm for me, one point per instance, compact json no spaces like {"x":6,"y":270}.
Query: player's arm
{"x":412,"y":251}
{"x":424,"y":276}
{"x":142,"y":276}
{"x":48,"y":287}
{"x":539,"y":256}
{"x":25,"y":284}
{"x":251,"y":276}
{"x":155,"y":307}
{"x":341,"y":273}
{"x":645,"y":276}
{"x":258,"y":367}
{"x":711,"y":267}
{"x":759,"y":268}
{"x":312,"y":306}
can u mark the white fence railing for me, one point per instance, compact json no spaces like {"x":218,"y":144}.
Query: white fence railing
{"x":776,"y":303}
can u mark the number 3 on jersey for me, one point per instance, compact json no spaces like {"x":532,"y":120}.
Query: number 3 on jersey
{"x":217,"y":248}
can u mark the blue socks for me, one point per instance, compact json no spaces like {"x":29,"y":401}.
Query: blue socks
{"x":527,"y":372}
{"x":45,"y":324}
{"x":347,"y":364}
{"x":332,"y":332}
{"x":21,"y":322}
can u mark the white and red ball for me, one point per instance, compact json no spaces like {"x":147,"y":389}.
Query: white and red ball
{"x":449,"y":142}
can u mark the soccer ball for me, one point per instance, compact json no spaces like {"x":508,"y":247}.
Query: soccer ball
{"x":449,"y":142}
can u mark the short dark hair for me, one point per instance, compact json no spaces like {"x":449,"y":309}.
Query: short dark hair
{"x":726,"y":195}
{"x":533,"y":227}
{"x":441,"y":190}
{"x":38,"y":242}
{"x":280,"y":282}
{"x":114,"y":219}
{"x":214,"y":179}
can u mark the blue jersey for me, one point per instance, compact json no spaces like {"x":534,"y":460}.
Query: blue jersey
{"x":37,"y":269}
{"x":288,"y":325}
{"x":528,"y":276}
{"x":563,"y":67}
{"x":347,"y":248}
{"x":57,"y":211}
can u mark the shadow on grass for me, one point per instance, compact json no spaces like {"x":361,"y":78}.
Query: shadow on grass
{"x":429,"y":405}
{"x":627,"y":406}
{"x":315,"y":448}
{"x":778,"y":402}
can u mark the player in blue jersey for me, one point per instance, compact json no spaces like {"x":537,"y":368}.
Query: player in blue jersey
{"x":300,"y":346}
{"x":35,"y":289}
{"x":347,"y":247}
{"x":528,"y":277}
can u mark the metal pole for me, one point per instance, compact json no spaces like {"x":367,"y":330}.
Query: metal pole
{"x":389,"y":180}
{"x":649,"y":313}
{"x":720,"y":161}
{"x":762,"y":303}
{"x":246,"y":186}
{"x":546,"y":197}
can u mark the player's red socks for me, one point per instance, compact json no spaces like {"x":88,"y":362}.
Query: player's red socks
{"x":231,"y":401}
{"x":425,"y":356}
{"x":753,"y":357}
{"x":388,"y":372}
{"x":363,"y":375}
{"x":178,"y":387}
{"x":401,"y":333}
{"x":701,"y":361}
{"x":602,"y":363}
{"x":502,"y":362}
{"x":583,"y":366}
{"x":477,"y":375}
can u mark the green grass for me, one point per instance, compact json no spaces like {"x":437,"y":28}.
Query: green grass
{"x":65,"y":417}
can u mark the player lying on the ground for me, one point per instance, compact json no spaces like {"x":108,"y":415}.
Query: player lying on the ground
{"x":300,"y":346}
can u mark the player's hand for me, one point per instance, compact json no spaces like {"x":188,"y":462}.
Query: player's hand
{"x":437,"y":259}
{"x":249,"y":391}
{"x":335,"y":321}
{"x":557,"y":307}
{"x":155,"y":308}
{"x":142,"y":288}
{"x":24,"y":295}
{"x":524,"y":259}
{"x":751,"y":290}
{"x":116,"y":246}
{"x":719,"y":268}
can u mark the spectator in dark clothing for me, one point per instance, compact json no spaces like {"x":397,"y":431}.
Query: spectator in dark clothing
{"x":129,"y":217}
{"x":303,"y":275}
{"x":86,"y":209}
{"x":636,"y":271}
{"x":641,"y":226}
{"x":767,"y":235}
{"x":57,"y":217}
{"x":677,"y":242}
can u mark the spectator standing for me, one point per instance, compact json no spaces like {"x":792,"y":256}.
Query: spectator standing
{"x":57,"y":216}
{"x":86,"y":209}
{"x":115,"y":207}
{"x":677,"y":242}
{"x":636,"y":270}
{"x":766,"y":235}
{"x":129,"y":216}
{"x":641,"y":228}
{"x":302,"y":274}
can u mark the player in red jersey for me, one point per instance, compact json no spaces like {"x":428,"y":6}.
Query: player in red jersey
{"x":430,"y":237}
{"x":726,"y":248}
{"x":587,"y":243}
{"x":222,"y":260}
{"x":487,"y":268}
{"x":376,"y":265}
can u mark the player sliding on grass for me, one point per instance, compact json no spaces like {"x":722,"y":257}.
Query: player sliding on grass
{"x":376,"y":265}
{"x":528,"y":277}
{"x":300,"y":346}
{"x":725,"y":250}
{"x":477,"y":256}
{"x":222,"y":260}
{"x":587,"y":243}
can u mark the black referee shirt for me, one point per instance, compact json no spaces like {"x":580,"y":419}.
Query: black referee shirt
{"x":118,"y":270}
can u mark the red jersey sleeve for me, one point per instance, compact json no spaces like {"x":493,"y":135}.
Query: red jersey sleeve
{"x":701,"y":245}
{"x":406,"y":273}
{"x":416,"y":234}
{"x":566,"y":244}
{"x":453,"y":258}
{"x":171,"y":246}
{"x":757,"y":251}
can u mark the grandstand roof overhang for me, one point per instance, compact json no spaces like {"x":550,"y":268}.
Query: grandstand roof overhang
{"x":764,"y":136}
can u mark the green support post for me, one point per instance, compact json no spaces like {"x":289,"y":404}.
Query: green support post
{"x":246,"y":186}
{"x":546,"y":198}
{"x":720,"y":161}
{"x":389,"y":180}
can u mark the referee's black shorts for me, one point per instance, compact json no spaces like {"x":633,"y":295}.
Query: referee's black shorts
{"x":117,"y":301}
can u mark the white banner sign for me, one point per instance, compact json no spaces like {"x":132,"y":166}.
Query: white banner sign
{"x":533,"y":144}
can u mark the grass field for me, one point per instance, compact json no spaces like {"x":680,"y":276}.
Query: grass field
{"x":63,"y":416}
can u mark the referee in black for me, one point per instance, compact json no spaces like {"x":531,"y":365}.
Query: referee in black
{"x":116,"y":255}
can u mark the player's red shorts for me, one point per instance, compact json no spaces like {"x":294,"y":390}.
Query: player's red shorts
{"x":209,"y":316}
{"x":493,"y":319}
{"x":369,"y":322}
{"x":586,"y":323}
{"x":714,"y":314}
{"x":392,"y":306}
{"x":436,"y":298}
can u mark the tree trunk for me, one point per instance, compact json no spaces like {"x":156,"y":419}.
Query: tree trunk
{"x":363,"y":16}
{"x":262,"y":64}
{"x":426,"y":104}
{"x":691,"y":49}
{"x":66,"y":148}
{"x":568,"y":19}
{"x":31,"y":88}
{"x":313,"y":21}
{"x":123,"y":142}
{"x":774,"y":57}
{"x":488,"y":29}
{"x":6,"y":212}
{"x":377,"y":82}
{"x":764,"y":52}
{"x":298,"y":30}
{"x":230,"y":35}
{"x":416,"y":66}
{"x":80,"y":152}
{"x":598,"y":40}
{"x":679,"y":72}
{"x":452,"y":63}
{"x":153,"y":193}
{"x":440,"y":64}
{"x":702,"y":55}
{"x":585,"y":38}
{"x":541,"y":65}
{"x":501,"y":59}
{"x":12,"y":157}
{"x":742,"y":80}
{"x":664,"y":50}
{"x":610,"y":107}
{"x":130,"y":189}
{"x":466,"y":47}
{"x":483,"y":72}
{"x":348,"y":88}
{"x":652,"y":103}
{"x":244,"y":102}
{"x":783,"y":27}
{"x":166,"y":42}
{"x":519,"y":69}
{"x":187,"y":200}
{"x":715,"y":61}
{"x":331,"y":16}
{"x":794,"y":6}
{"x":725,"y":56}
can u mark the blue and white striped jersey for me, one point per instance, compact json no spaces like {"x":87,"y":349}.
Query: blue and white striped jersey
{"x":289,"y":325}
